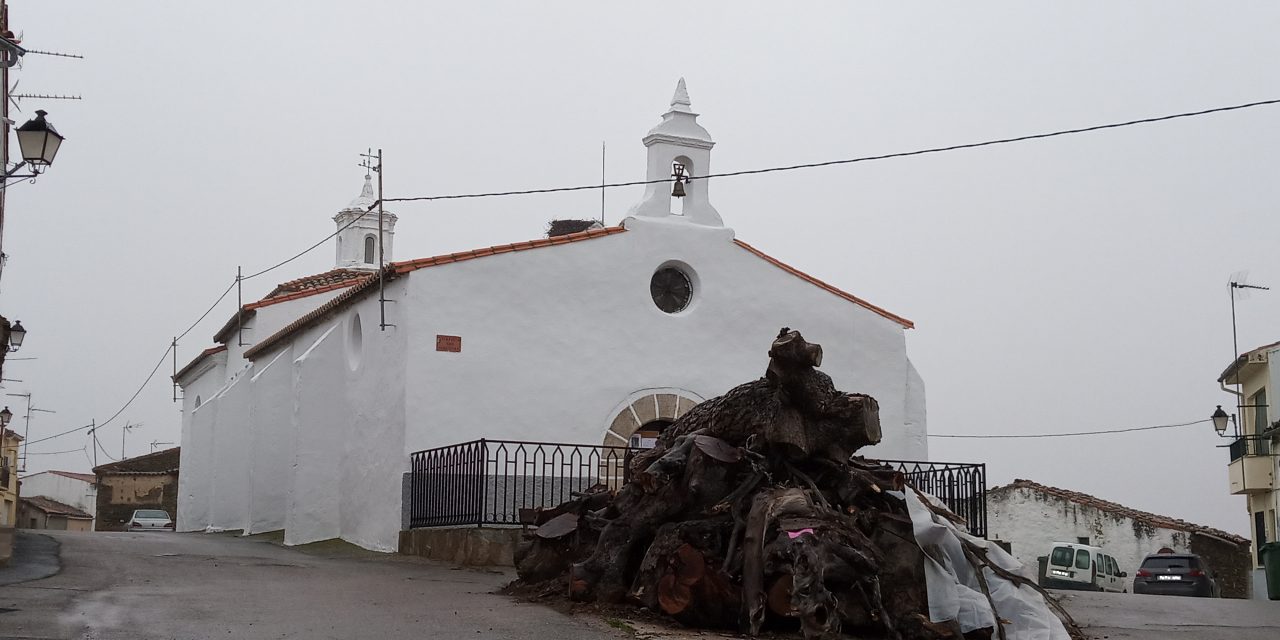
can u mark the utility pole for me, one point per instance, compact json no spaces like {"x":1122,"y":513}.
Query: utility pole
{"x":26,"y":427}
{"x":125,"y":431}
{"x":93,"y":433}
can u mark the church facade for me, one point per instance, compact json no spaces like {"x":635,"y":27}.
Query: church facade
{"x":304,"y":415}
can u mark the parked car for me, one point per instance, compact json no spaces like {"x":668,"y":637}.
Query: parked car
{"x":1082,"y":567}
{"x":150,"y":520}
{"x":1175,"y":574}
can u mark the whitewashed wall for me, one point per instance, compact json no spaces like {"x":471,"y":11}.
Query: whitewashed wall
{"x":271,"y":433}
{"x":70,"y":491}
{"x":1032,"y":521}
{"x":554,"y":339}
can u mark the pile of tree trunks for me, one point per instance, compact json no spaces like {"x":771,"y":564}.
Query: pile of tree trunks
{"x":753,"y":512}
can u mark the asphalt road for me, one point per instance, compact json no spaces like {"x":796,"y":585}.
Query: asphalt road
{"x":1126,"y":616}
{"x":189,"y":586}
{"x":158,"y":585}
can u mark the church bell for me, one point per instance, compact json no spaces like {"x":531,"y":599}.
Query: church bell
{"x":677,"y":191}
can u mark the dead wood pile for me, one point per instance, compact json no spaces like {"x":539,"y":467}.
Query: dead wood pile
{"x":752,"y":512}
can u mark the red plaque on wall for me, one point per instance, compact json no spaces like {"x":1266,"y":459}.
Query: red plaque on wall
{"x":449,"y":343}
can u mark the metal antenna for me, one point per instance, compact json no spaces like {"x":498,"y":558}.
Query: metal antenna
{"x":125,"y":431}
{"x":56,"y":53}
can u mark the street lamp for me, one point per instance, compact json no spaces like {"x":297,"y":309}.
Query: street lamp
{"x":5,"y":416}
{"x":1220,"y":419}
{"x":39,"y":143}
{"x":16,"y":335}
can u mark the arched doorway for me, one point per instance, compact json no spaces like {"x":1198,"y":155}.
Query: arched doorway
{"x":637,"y":421}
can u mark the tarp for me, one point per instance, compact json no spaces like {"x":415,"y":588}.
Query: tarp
{"x":953,"y":587}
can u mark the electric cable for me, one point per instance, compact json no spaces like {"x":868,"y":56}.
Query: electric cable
{"x":54,"y":453}
{"x":828,"y":163}
{"x":117,"y":413}
{"x":1066,"y":435}
{"x":308,"y":249}
{"x":206,"y":313}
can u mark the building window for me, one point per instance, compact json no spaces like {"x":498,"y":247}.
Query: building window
{"x":1259,"y":402}
{"x":370,"y":249}
{"x":671,"y":289}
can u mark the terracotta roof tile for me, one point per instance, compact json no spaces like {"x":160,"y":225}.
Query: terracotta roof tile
{"x":198,"y":359}
{"x":1154,"y":520}
{"x":843,"y":294}
{"x":326,"y":281}
{"x":55,"y":508}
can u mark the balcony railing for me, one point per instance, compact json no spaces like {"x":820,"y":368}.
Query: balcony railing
{"x":1249,"y":446}
{"x":488,"y":482}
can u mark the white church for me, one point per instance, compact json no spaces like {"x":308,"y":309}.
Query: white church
{"x":304,"y":415}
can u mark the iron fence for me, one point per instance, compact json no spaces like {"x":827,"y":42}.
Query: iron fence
{"x":962,"y":486}
{"x":488,"y":482}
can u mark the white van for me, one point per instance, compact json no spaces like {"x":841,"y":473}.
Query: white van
{"x":1083,"y":568}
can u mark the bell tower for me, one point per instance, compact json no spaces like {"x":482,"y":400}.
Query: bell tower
{"x":678,"y":146}
{"x":358,"y":243}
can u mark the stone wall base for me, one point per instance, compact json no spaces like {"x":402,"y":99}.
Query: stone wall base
{"x":468,"y":546}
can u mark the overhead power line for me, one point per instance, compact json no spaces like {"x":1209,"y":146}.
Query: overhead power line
{"x":794,"y":167}
{"x":828,"y":163}
{"x":1066,"y":435}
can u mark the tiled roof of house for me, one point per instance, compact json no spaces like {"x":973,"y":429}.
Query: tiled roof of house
{"x":1242,"y":359}
{"x":84,"y":477}
{"x":197,"y":360}
{"x":54,"y":508}
{"x":843,"y":294}
{"x":1151,"y":519}
{"x":327,"y":281}
{"x":292,"y":290}
{"x":10,"y":433}
{"x":396,"y":269}
{"x":157,"y":462}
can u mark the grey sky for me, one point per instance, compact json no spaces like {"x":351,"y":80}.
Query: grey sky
{"x":1071,"y":284}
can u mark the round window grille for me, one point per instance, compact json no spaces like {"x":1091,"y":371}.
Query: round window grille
{"x":671,"y":289}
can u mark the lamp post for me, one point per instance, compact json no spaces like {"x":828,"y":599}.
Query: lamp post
{"x":5,"y":416}
{"x":1220,"y":419}
{"x":16,"y":335}
{"x":39,"y":143}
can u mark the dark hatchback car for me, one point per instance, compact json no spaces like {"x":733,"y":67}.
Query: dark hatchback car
{"x":1175,"y":574}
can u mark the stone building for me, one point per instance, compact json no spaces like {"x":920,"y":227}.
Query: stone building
{"x":1254,"y":466}
{"x":144,"y":482}
{"x":40,"y":512}
{"x":76,"y":490}
{"x":304,"y":416}
{"x":1029,"y":517}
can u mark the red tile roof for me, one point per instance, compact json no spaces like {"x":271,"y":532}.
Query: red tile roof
{"x":396,"y":269}
{"x":54,"y":508}
{"x":292,"y":290}
{"x":10,"y":433}
{"x":310,"y":285}
{"x":197,"y":360}
{"x":843,"y":294}
{"x":85,"y":477}
{"x":1151,"y":519}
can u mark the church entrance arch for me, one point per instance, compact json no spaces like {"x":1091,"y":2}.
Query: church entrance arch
{"x":638,"y":420}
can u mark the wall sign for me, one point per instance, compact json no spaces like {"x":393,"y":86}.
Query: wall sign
{"x":451,"y":344}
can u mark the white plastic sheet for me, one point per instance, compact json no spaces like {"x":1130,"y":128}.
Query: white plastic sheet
{"x":954,"y":591}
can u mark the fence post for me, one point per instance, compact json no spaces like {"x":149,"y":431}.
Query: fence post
{"x":484,"y":482}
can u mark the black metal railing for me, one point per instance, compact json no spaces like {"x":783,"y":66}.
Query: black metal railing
{"x":490,"y":481}
{"x":1249,"y":446}
{"x":962,"y":486}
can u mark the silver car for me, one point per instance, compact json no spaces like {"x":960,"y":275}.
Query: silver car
{"x":150,"y":520}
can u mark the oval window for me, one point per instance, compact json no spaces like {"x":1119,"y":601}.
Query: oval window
{"x":355,"y":342}
{"x":671,"y":289}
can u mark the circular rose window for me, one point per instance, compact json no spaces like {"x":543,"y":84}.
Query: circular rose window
{"x":671,"y":289}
